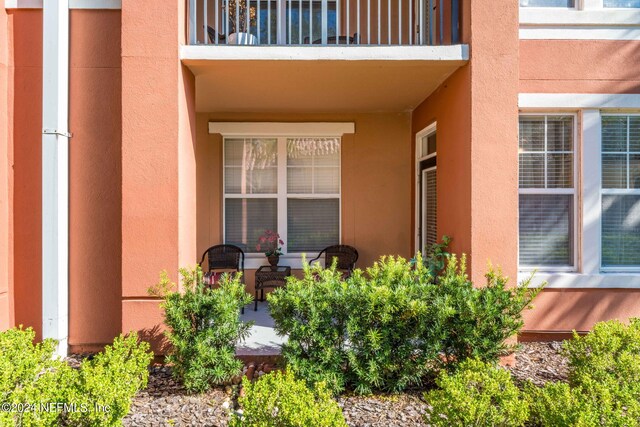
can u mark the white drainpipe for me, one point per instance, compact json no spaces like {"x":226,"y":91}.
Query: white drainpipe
{"x":55,"y":173}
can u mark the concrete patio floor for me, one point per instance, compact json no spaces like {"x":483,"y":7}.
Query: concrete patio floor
{"x":263,"y":340}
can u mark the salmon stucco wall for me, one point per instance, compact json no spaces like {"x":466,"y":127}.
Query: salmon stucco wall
{"x":579,"y":66}
{"x":450,"y":107}
{"x":157,"y":198}
{"x":25,"y":28}
{"x":94,"y":166}
{"x":560,"y":311}
{"x":95,"y":198}
{"x":6,"y":152}
{"x":477,"y":115}
{"x":376,"y":169}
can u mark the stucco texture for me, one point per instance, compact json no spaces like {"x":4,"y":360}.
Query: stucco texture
{"x":579,"y":66}
{"x":376,"y":174}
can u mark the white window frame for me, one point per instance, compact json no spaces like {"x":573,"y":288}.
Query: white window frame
{"x":293,"y":259}
{"x":588,"y":20}
{"x":590,"y":108}
{"x":575,"y":191}
{"x":432,"y":128}
{"x":614,"y":191}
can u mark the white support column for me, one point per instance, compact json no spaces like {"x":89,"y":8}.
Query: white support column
{"x":55,"y":173}
{"x":591,"y":201}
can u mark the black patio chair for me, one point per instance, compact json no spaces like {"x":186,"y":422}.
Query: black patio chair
{"x":346,"y":258}
{"x":221,"y":259}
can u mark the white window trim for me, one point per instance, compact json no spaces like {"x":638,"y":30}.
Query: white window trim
{"x":281,"y":129}
{"x":73,"y":4}
{"x":574,"y":191}
{"x":624,"y":191}
{"x":418,"y":158}
{"x":589,"y":20}
{"x":590,"y":276}
{"x":292,"y":259}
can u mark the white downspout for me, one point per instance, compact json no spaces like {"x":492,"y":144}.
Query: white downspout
{"x":55,"y":173}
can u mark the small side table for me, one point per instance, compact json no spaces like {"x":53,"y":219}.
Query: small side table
{"x":270,"y":277}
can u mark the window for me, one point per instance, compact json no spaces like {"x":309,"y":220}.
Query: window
{"x":620,"y":192}
{"x":291,"y":185}
{"x":546,"y":191}
{"x":621,"y":3}
{"x":547,"y":3}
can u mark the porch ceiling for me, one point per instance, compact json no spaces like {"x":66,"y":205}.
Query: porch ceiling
{"x":353,"y":79}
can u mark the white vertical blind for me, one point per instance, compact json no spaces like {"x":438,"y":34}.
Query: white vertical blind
{"x":547,"y":199}
{"x":620,"y":191}
{"x":431,"y":232}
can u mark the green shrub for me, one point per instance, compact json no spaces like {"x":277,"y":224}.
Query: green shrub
{"x":477,"y":394}
{"x":204,"y":327}
{"x":110,"y":380}
{"x":98,"y":393}
{"x":479,"y":320}
{"x":393,"y":325}
{"x":278,"y":399}
{"x":604,"y":375}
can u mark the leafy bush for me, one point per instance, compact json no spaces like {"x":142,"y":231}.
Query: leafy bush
{"x":110,"y":380}
{"x":479,"y":320}
{"x":389,"y":327}
{"x":278,"y":399}
{"x":204,"y":327}
{"x":30,"y":374}
{"x":478,"y":394}
{"x":604,"y":374}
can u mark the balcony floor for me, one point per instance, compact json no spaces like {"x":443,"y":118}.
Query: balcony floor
{"x":318,"y":78}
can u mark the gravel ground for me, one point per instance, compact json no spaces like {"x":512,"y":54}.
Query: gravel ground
{"x":166,"y":403}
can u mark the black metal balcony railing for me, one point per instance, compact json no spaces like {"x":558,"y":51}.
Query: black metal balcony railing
{"x":324,"y":22}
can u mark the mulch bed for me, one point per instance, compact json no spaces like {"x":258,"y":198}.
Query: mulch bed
{"x":166,"y":403}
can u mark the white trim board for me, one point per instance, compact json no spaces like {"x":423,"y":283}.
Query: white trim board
{"x":73,"y":4}
{"x":579,"y":101}
{"x":265,"y":129}
{"x":575,"y":24}
{"x":458,"y":53}
{"x":565,"y":32}
{"x":584,"y":18}
{"x":582,"y":281}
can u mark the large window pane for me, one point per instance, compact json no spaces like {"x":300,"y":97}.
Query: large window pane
{"x":250,"y":166}
{"x":614,"y":170}
{"x":531,"y":170}
{"x":312,"y":224}
{"x":546,"y":230}
{"x":313,"y":165}
{"x":245,"y":220}
{"x":614,"y":134}
{"x":531,"y":133}
{"x":547,"y":3}
{"x":620,"y":230}
{"x":622,"y":3}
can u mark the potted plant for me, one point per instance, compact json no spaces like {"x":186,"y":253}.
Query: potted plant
{"x":269,"y":243}
{"x":241,"y":35}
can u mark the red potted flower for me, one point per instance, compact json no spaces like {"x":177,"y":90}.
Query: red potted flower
{"x":269,"y":243}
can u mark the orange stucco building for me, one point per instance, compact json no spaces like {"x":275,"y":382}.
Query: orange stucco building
{"x":192,"y":123}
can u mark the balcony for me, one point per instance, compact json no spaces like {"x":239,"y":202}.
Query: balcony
{"x":306,"y":56}
{"x":324,"y":22}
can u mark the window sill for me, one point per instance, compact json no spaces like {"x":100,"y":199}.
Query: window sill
{"x":573,"y":24}
{"x":626,"y":280}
